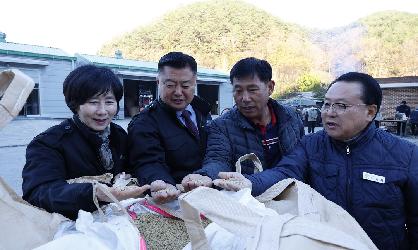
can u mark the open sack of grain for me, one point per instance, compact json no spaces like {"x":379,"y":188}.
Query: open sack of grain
{"x":109,"y":228}
{"x":123,"y":225}
{"x":161,"y":225}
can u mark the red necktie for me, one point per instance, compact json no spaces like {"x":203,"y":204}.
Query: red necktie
{"x":189,"y":123}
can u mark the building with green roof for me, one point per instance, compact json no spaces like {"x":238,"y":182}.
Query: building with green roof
{"x":49,"y":66}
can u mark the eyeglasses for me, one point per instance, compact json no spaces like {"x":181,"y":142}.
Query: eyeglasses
{"x":339,"y":108}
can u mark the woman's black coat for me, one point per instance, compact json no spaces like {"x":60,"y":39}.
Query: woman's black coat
{"x":63,"y":152}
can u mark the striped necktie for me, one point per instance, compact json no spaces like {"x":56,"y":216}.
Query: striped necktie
{"x":189,"y":123}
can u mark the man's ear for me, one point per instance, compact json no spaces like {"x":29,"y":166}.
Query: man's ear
{"x":270,"y":86}
{"x":371,"y":111}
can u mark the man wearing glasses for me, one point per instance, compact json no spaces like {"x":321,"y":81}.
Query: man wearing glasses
{"x":167,"y":140}
{"x":367,"y":171}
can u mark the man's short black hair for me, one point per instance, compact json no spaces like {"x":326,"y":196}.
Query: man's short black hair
{"x":249,"y":67}
{"x":372,"y":93}
{"x":403,"y":102}
{"x":177,"y":60}
{"x":88,"y":81}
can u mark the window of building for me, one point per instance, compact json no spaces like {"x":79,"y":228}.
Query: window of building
{"x":137,"y":95}
{"x":31,"y":106}
{"x":210,"y":92}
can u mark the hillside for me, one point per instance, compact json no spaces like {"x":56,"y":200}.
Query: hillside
{"x":390,"y":44}
{"x":220,"y":32}
{"x":384,"y":44}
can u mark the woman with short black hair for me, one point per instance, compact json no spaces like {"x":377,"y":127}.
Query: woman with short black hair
{"x":88,"y":144}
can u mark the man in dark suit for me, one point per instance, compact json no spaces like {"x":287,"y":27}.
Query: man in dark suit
{"x":167,"y":140}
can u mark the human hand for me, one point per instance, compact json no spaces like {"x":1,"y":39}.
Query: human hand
{"x":163,"y":192}
{"x":123,"y":176}
{"x":232,"y":181}
{"x":121,"y":193}
{"x":122,"y":180}
{"x":193,"y":181}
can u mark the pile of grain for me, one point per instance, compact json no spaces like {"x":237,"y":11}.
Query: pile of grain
{"x":163,"y":233}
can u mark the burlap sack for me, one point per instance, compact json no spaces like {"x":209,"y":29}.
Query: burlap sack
{"x":294,"y":197}
{"x":15,"y":88}
{"x":23,"y":226}
{"x":305,"y":220}
{"x":97,"y":182}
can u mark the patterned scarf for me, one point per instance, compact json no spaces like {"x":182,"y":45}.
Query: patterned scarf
{"x":99,"y":140}
{"x":104,"y":150}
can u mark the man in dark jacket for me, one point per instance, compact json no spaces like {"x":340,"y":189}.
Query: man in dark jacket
{"x":167,"y":140}
{"x":367,"y":171}
{"x":256,"y":125}
{"x":402,"y":109}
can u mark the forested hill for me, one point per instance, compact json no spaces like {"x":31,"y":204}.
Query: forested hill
{"x":390,"y":46}
{"x":219,"y":32}
{"x":383,"y":44}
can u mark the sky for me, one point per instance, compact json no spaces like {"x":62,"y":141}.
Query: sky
{"x":83,"y":26}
